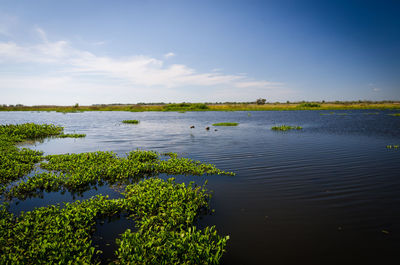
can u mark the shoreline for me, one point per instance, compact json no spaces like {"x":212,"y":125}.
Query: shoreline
{"x":211,"y":107}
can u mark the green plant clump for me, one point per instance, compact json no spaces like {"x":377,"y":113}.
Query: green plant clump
{"x":185,"y":107}
{"x":286,"y":128}
{"x":226,"y":124}
{"x":395,"y":114}
{"x":15,"y":162}
{"x":131,"y":121}
{"x":309,"y":105}
{"x":77,"y":173}
{"x":72,"y":135}
{"x":164,"y":212}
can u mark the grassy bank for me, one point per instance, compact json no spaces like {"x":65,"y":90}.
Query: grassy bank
{"x":181,"y":107}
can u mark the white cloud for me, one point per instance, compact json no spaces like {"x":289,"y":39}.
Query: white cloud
{"x":85,"y":70}
{"x":376,"y":89}
{"x":169,"y":55}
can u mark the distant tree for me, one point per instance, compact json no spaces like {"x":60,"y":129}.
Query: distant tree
{"x":261,"y":101}
{"x":76,"y":105}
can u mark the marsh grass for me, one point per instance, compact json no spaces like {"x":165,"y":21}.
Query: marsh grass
{"x":226,"y":124}
{"x":285,"y":128}
{"x":131,"y":121}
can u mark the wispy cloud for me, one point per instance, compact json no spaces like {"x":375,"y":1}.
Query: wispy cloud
{"x":135,"y":72}
{"x":374,"y":88}
{"x":169,"y":55}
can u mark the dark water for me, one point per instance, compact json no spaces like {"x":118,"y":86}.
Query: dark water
{"x":328,"y":194}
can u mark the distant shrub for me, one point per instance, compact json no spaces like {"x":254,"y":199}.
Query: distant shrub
{"x":185,"y":106}
{"x":261,"y":101}
{"x":309,"y":105}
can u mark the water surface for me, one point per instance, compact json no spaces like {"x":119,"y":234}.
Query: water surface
{"x":328,"y":194}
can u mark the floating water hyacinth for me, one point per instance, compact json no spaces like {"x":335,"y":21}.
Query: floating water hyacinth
{"x":285,"y":128}
{"x":131,"y":121}
{"x":226,"y":124}
{"x":62,"y":234}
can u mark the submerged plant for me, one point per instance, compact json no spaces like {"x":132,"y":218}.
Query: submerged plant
{"x":131,"y":121}
{"x":285,"y":128}
{"x":226,"y":124}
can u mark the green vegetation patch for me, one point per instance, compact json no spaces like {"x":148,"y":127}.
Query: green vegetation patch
{"x":15,"y":162}
{"x":226,"y":124}
{"x":131,"y":121}
{"x":164,"y":212}
{"x":185,"y":107}
{"x":72,"y":135}
{"x":309,"y":105}
{"x":285,"y":128}
{"x":77,"y":173}
{"x":395,"y":114}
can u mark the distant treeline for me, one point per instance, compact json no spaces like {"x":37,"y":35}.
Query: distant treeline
{"x":260,"y":104}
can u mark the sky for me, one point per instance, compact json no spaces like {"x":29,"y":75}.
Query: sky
{"x":102,"y":52}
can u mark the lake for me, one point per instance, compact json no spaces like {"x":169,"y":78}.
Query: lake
{"x":326,"y":194}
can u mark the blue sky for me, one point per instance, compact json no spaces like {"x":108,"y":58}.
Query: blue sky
{"x":88,"y":52}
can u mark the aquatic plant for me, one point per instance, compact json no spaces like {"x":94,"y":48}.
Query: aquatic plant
{"x":226,"y":124}
{"x":395,"y":114}
{"x":80,"y":172}
{"x":285,"y":128}
{"x":393,"y":146}
{"x":131,"y":121}
{"x":165,"y":213}
{"x":72,"y":135}
{"x":15,"y":162}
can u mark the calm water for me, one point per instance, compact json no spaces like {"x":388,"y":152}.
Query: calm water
{"x":329,"y":194}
